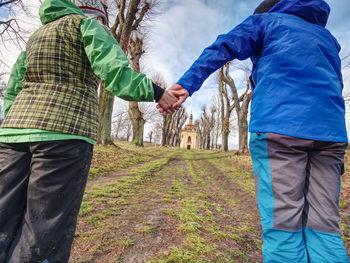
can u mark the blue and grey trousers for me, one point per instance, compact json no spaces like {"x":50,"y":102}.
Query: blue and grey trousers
{"x":297,"y":191}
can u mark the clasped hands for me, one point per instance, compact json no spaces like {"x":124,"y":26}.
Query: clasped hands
{"x":172,"y":99}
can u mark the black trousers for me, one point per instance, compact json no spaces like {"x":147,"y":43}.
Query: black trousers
{"x":41,"y":189}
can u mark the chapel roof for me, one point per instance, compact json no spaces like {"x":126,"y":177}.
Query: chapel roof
{"x":189,"y":126}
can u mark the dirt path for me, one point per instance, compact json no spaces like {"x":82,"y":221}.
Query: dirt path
{"x":183,"y":207}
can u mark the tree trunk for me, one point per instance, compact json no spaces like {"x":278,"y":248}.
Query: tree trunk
{"x":137,"y":122}
{"x":164,"y":129}
{"x":217,"y":130}
{"x":141,"y":122}
{"x":150,"y":136}
{"x":105,"y":107}
{"x":208,"y":141}
{"x":243,"y":122}
{"x":136,"y":51}
{"x":243,"y":134}
{"x":226,"y":110}
{"x":225,"y":134}
{"x":128,"y":133}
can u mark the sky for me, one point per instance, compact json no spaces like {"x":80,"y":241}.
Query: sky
{"x":183,"y":28}
{"x":186,"y":27}
{"x":3,"y":13}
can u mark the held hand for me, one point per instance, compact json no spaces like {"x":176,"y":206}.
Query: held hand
{"x":181,"y":94}
{"x":166,"y":102}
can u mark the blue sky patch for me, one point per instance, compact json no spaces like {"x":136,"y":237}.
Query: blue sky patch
{"x":4,"y":13}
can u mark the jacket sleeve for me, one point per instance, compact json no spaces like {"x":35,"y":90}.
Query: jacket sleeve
{"x":240,"y":43}
{"x":14,"y":85}
{"x":111,"y":65}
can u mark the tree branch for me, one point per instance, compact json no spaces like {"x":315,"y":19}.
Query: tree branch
{"x":7,"y":2}
{"x":147,"y":6}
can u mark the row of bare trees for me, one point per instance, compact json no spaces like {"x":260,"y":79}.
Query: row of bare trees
{"x":126,"y":19}
{"x":217,"y":123}
{"x":205,"y":126}
{"x":171,"y":128}
{"x":161,"y":130}
{"x":240,"y":104}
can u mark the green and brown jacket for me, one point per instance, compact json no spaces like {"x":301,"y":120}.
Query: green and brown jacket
{"x":52,"y":90}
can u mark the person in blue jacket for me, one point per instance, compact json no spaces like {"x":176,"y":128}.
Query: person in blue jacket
{"x":297,"y":126}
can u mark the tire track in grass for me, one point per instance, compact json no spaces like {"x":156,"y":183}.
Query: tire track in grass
{"x":213,"y":230}
{"x":183,"y":211}
{"x":114,"y":175}
{"x":235,"y":210}
{"x":108,"y":210}
{"x":235,"y":202}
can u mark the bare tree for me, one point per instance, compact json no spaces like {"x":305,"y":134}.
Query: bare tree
{"x":216,"y":132}
{"x":225,"y":110}
{"x":150,"y":136}
{"x":11,"y":28}
{"x":120,"y":122}
{"x":166,"y":123}
{"x":171,"y":127}
{"x":166,"y":130}
{"x":346,"y":62}
{"x":345,"y":59}
{"x":129,"y":16}
{"x":200,"y":133}
{"x":241,"y":104}
{"x":157,"y":132}
{"x":203,"y":126}
{"x":178,"y":119}
{"x":212,"y":122}
{"x":2,"y":93}
{"x":136,"y":50}
{"x":2,"y":84}
{"x":150,"y":112}
{"x":206,"y":125}
{"x":128,"y":131}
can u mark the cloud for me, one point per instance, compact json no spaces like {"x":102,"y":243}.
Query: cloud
{"x":183,"y":30}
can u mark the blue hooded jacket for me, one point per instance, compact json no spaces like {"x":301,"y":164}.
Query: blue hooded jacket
{"x":296,"y":68}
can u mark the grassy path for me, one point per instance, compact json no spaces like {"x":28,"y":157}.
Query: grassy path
{"x":184,"y":206}
{"x":165,"y":205}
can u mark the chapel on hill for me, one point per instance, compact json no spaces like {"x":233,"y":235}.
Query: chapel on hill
{"x":189,"y":136}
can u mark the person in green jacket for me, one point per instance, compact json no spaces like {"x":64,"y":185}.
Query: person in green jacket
{"x":50,"y":126}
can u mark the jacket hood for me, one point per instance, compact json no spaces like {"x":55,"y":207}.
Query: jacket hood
{"x":313,"y":11}
{"x":51,"y":10}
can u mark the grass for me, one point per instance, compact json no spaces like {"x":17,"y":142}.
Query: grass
{"x":112,"y":158}
{"x":163,"y":205}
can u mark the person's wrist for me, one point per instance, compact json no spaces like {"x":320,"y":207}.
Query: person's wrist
{"x":158,"y":92}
